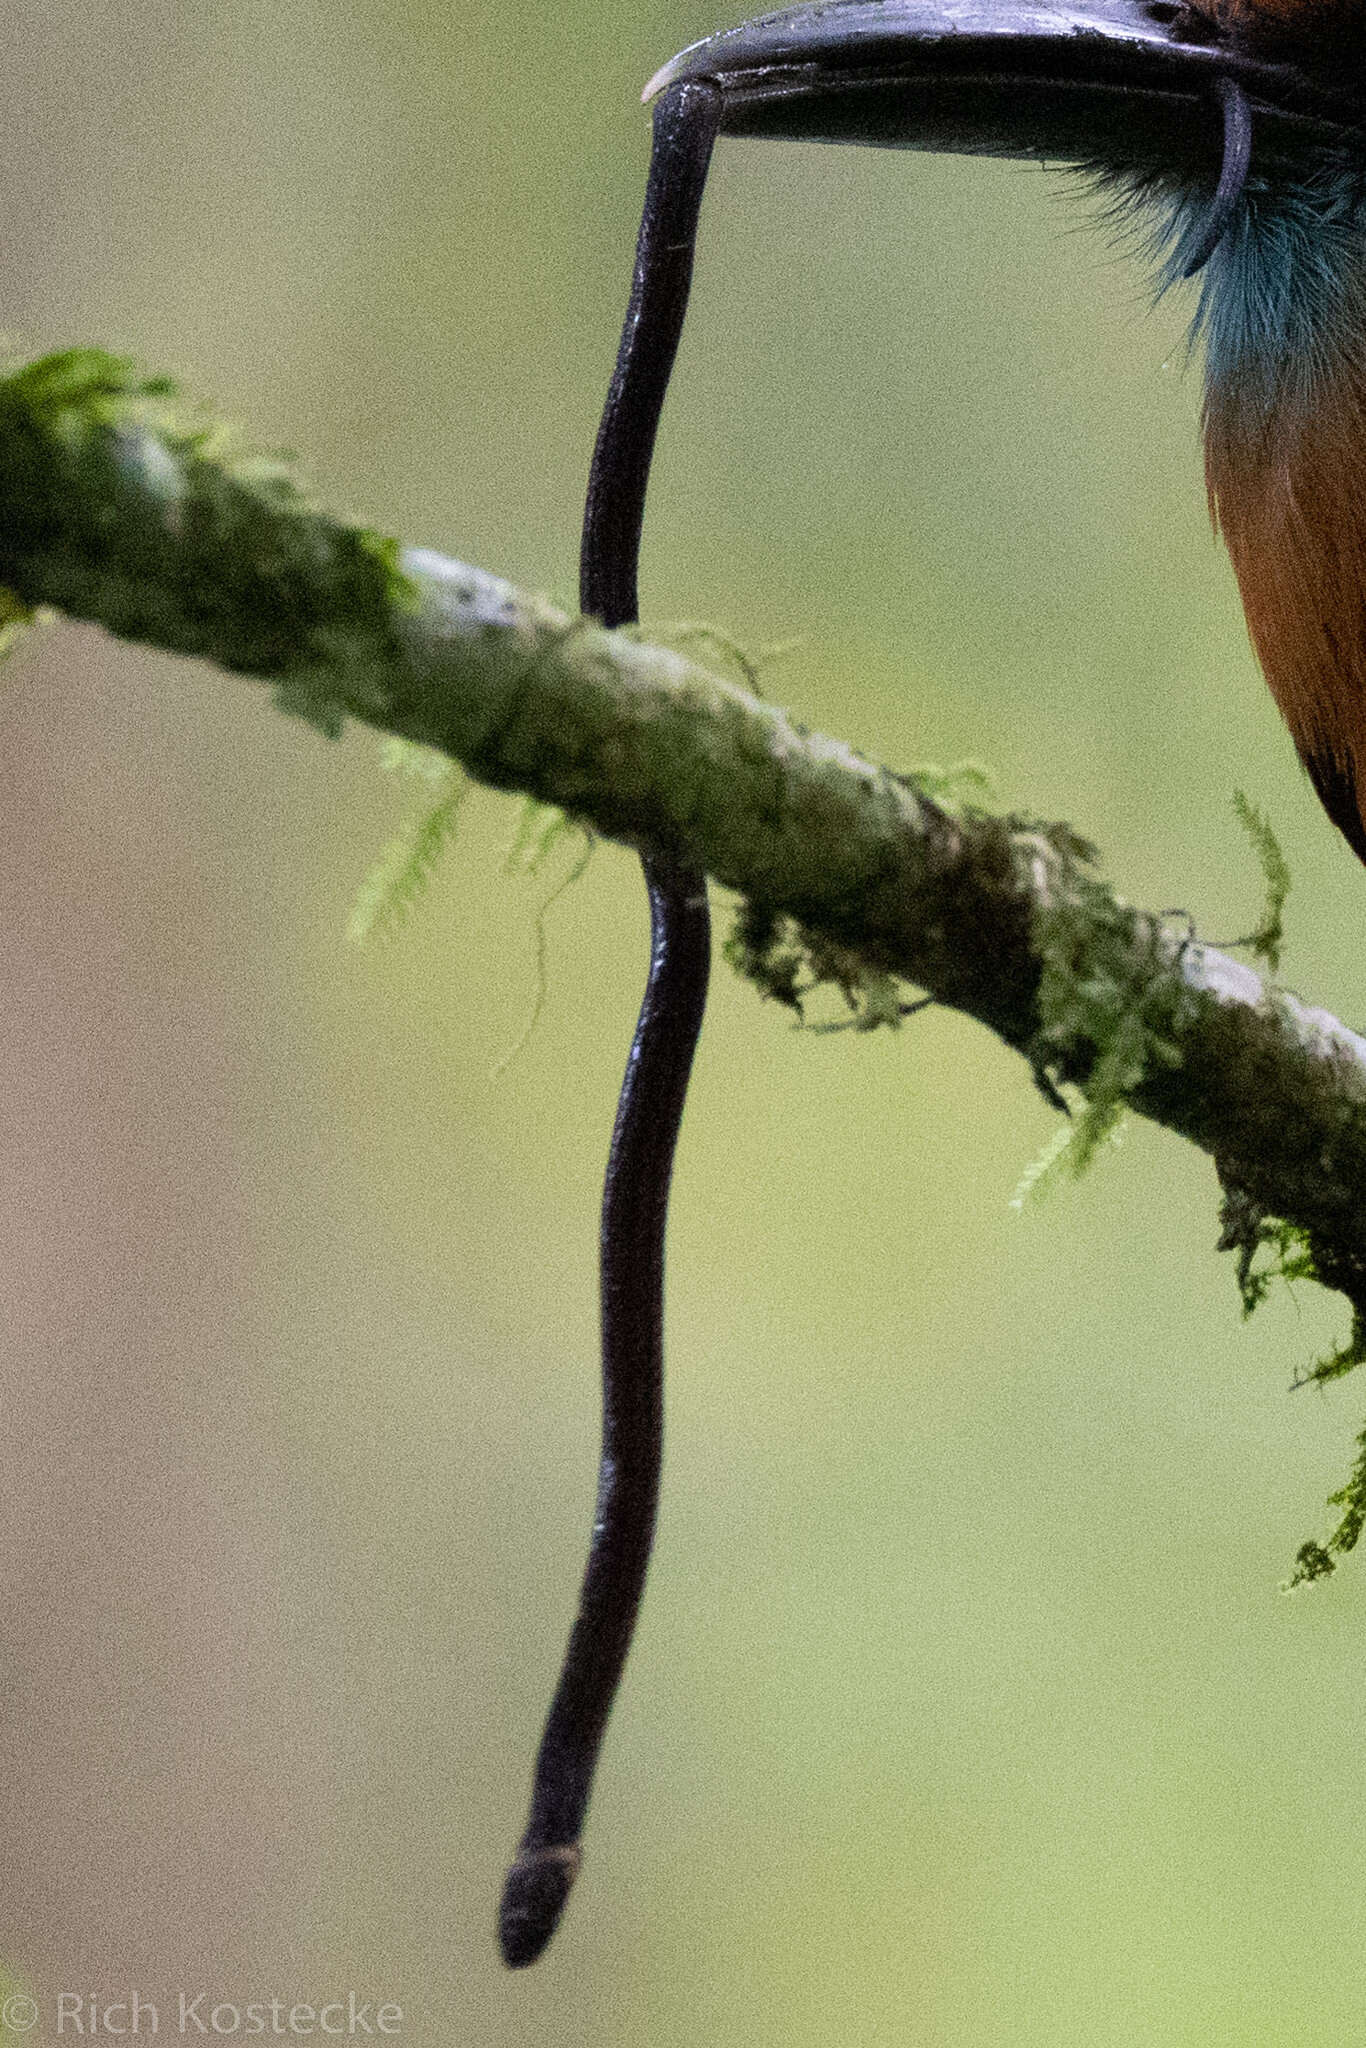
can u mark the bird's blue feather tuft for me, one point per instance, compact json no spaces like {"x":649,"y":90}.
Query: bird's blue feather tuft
{"x":1282,"y":307}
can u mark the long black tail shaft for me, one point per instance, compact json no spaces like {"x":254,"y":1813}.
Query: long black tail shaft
{"x":640,"y":1163}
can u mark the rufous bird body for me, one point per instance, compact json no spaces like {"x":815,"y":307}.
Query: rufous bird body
{"x":1283,"y":318}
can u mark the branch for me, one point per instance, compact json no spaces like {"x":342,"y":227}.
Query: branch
{"x":117,"y":508}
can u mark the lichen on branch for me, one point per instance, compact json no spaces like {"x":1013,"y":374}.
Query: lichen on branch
{"x":120,"y":506}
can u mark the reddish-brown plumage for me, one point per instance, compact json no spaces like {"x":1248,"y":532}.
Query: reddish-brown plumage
{"x":1285,"y":413}
{"x":1288,"y":491}
{"x":1302,"y":23}
{"x":1244,"y":14}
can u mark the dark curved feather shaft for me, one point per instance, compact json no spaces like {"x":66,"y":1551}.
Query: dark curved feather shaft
{"x":1232,"y":172}
{"x":636,"y":1191}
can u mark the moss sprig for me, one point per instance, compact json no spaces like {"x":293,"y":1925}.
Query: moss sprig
{"x":1266,"y":940}
{"x":119,"y":501}
{"x":1315,"y":1560}
{"x":1269,"y":1250}
{"x":788,"y":965}
{"x":1112,"y":1004}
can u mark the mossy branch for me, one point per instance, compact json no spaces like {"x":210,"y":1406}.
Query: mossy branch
{"x":117,"y":508}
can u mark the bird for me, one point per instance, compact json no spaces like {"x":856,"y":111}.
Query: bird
{"x":1235,"y":132}
{"x":1232,"y":134}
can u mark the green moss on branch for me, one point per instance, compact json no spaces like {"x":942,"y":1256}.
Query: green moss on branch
{"x":118,"y":507}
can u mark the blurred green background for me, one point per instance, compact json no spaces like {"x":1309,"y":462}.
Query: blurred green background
{"x":965,"y":1710}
